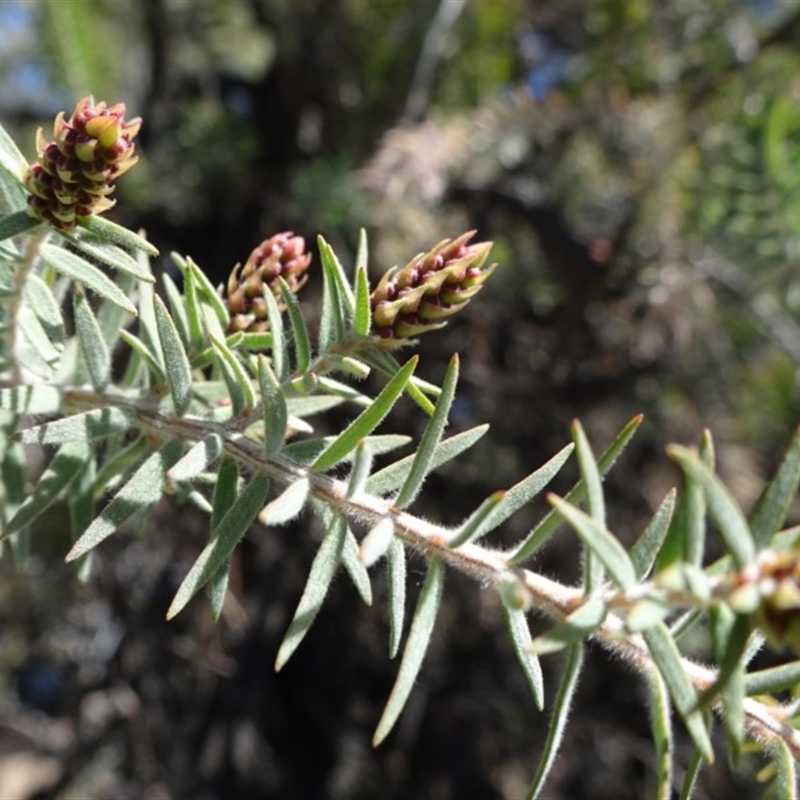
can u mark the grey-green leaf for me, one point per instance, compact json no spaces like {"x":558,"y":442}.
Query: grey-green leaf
{"x":418,"y":638}
{"x":226,"y":536}
{"x":396,"y":588}
{"x":319,"y":580}
{"x":16,"y":223}
{"x":367,"y":421}
{"x":93,"y":346}
{"x":34,"y":399}
{"x":176,"y":361}
{"x":287,"y":505}
{"x":579,"y":625}
{"x":645,"y":551}
{"x":517,"y":624}
{"x":197,"y":460}
{"x":110,"y":232}
{"x":302,"y":341}
{"x":661,"y":727}
{"x":83,"y":272}
{"x":84,"y":427}
{"x":114,"y":257}
{"x":140,"y":493}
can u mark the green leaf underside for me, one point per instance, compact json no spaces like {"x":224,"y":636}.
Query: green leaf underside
{"x":375,"y":544}
{"x":419,"y":637}
{"x":287,"y":505}
{"x":517,"y":624}
{"x":116,"y":234}
{"x":113,"y":256}
{"x":86,"y":426}
{"x":645,"y":551}
{"x":668,"y":660}
{"x":236,"y":379}
{"x":661,"y":728}
{"x":319,"y":580}
{"x":61,"y":471}
{"x":83,"y":272}
{"x":140,"y":493}
{"x":773,"y":679}
{"x":276,"y":413}
{"x":362,"y":318}
{"x":46,"y":308}
{"x":225,"y":537}
{"x":16,"y":223}
{"x":279,"y":350}
{"x":548,"y":526}
{"x":558,"y":721}
{"x":430,"y":439}
{"x":580,"y":624}
{"x":367,"y":421}
{"x":355,"y":567}
{"x":93,"y":347}
{"x":197,"y":460}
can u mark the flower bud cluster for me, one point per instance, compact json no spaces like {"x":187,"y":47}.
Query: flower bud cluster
{"x":769,"y":589}
{"x":74,"y":175}
{"x":420,"y":296}
{"x":281,"y":256}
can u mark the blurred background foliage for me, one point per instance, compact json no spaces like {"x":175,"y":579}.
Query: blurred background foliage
{"x":637,"y":163}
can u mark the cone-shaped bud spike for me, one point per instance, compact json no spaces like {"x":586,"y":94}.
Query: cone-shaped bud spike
{"x":416,"y":298}
{"x":88,"y":152}
{"x":280,"y":256}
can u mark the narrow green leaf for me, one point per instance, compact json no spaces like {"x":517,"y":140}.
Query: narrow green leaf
{"x":308,"y":406}
{"x":227,"y":535}
{"x":178,"y":369}
{"x":206,"y":290}
{"x":391,"y":477}
{"x":430,"y":438}
{"x":362,"y":464}
{"x":94,"y":349}
{"x":367,"y":421}
{"x":84,"y":427}
{"x":375,"y":544}
{"x":517,"y":624}
{"x":274,"y":407}
{"x":667,"y":659}
{"x":287,"y":505}
{"x":150,"y":360}
{"x":477,"y":524}
{"x":598,"y":539}
{"x":194,"y":316}
{"x":362,"y":319}
{"x":549,"y":525}
{"x":331,"y":264}
{"x":35,"y":334}
{"x":727,"y":515}
{"x":661,"y":728}
{"x":39,"y":297}
{"x":558,"y":722}
{"x":302,"y":341}
{"x":692,"y":771}
{"x":148,"y":330}
{"x":16,"y":223}
{"x":577,"y":627}
{"x":645,"y":551}
{"x":355,"y":568}
{"x":647,"y":612}
{"x":177,"y":309}
{"x":417,"y":388}
{"x":35,"y":399}
{"x":112,"y":256}
{"x":280,"y":350}
{"x":418,"y":638}
{"x":773,"y":679}
{"x":238,"y":383}
{"x":319,"y":580}
{"x":226,"y":490}
{"x":773,"y":505}
{"x":197,"y":460}
{"x":590,"y":475}
{"x":11,"y":159}
{"x":362,"y":251}
{"x":140,"y":493}
{"x":83,"y":272}
{"x":60,"y":472}
{"x":332,"y":314}
{"x":218,"y":588}
{"x":81,"y":503}
{"x":784,"y":787}
{"x":396,"y":586}
{"x":115,"y":234}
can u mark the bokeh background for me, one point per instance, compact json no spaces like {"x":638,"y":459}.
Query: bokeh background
{"x":637,"y":164}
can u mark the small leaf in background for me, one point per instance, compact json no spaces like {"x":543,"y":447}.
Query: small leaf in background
{"x":661,"y":728}
{"x":477,"y":524}
{"x":274,"y":406}
{"x":431,"y":437}
{"x":46,"y":308}
{"x":773,"y":505}
{"x":206,"y":290}
{"x":83,"y":272}
{"x":140,"y":493}
{"x":418,"y":638}
{"x":94,"y":349}
{"x":176,"y":361}
{"x":355,"y":568}
{"x":517,"y":624}
{"x":334,"y":310}
{"x":241,"y":390}
{"x":84,"y":427}
{"x":367,"y":421}
{"x":226,"y":536}
{"x":590,"y":477}
{"x":177,"y":308}
{"x":319,"y":580}
{"x":280,"y":349}
{"x":542,"y":532}
{"x":558,"y":721}
{"x":287,"y":505}
{"x":362,"y":318}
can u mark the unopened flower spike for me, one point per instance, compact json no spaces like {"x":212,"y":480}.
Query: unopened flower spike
{"x":74,"y":176}
{"x":419,"y":297}
{"x":281,"y":256}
